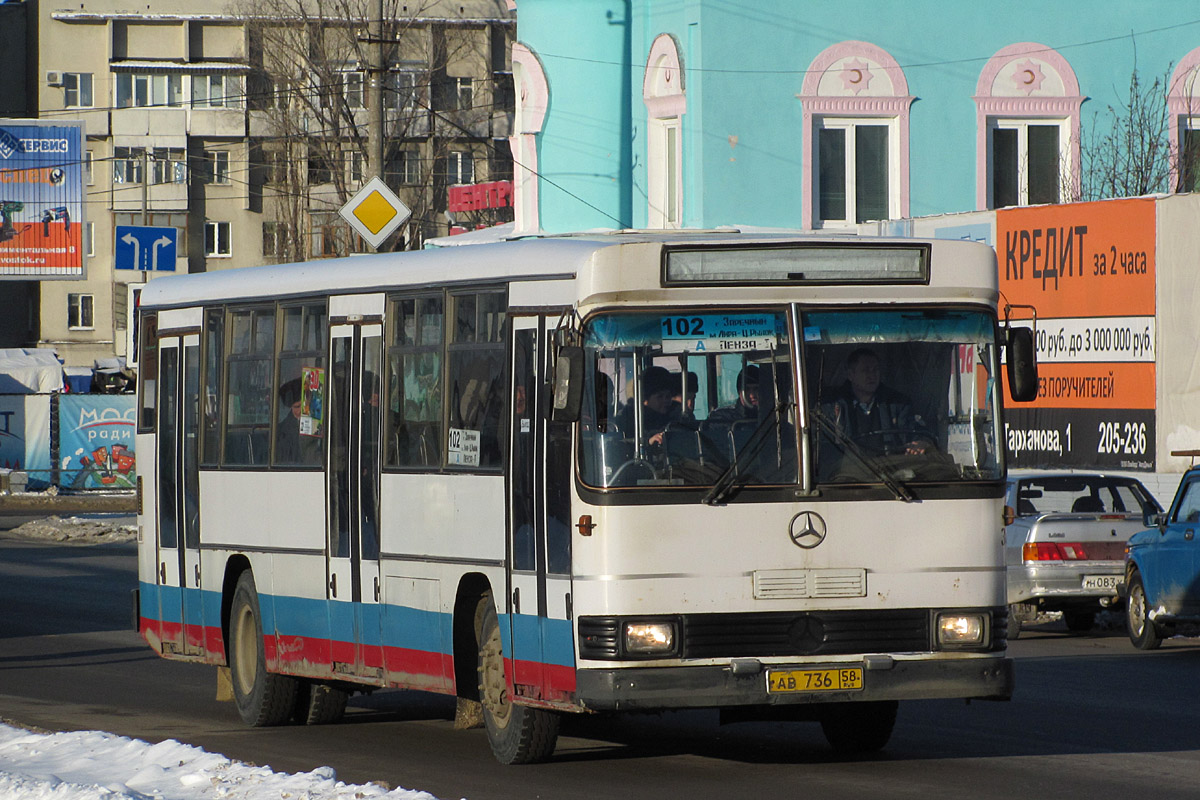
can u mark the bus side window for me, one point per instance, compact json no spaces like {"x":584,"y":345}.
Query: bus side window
{"x":414,"y":383}
{"x":476,"y":380}
{"x":250,"y":364}
{"x":300,"y":395}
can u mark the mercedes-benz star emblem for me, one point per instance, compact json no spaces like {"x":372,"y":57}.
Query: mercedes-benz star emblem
{"x":807,"y":529}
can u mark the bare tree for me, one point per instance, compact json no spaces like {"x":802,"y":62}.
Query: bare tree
{"x":308,"y":102}
{"x":1127,"y":152}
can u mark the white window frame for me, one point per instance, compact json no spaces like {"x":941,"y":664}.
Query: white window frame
{"x":205,"y":92}
{"x":356,"y":165}
{"x":851,"y":125}
{"x":464,"y":93}
{"x":400,"y":90}
{"x":77,"y":90}
{"x":144,"y":90}
{"x":455,"y":162}
{"x":89,"y":238}
{"x":127,"y":165}
{"x":81,"y":312}
{"x":274,"y":238}
{"x":354,"y":88}
{"x":89,"y":163}
{"x":168,"y":165}
{"x":216,"y":163}
{"x":405,"y":167}
{"x":664,"y":173}
{"x":855,"y":83}
{"x":218,"y":240}
{"x":1021,"y":126}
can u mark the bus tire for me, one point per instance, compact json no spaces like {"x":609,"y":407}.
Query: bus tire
{"x":262,"y":698}
{"x":319,"y":704}
{"x":518,"y":734}
{"x":854,"y":728}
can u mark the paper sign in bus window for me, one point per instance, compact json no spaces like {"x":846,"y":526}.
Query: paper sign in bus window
{"x":312,"y":408}
{"x":462,"y":447}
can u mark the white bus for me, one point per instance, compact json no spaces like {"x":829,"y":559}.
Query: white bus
{"x":594,"y":473}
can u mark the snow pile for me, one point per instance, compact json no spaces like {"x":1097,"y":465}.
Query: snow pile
{"x":89,"y":765}
{"x":90,"y":529}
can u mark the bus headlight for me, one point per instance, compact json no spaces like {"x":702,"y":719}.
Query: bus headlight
{"x":650,"y":638}
{"x":956,"y":630}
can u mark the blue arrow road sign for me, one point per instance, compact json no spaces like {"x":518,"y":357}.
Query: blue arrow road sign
{"x":145,"y":248}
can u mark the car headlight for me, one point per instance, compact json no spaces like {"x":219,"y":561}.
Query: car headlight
{"x":961,"y":630}
{"x":647,"y":638}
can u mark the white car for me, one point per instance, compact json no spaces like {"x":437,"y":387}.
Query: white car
{"x":1065,"y":537}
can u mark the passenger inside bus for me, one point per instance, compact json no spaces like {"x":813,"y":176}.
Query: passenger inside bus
{"x":878,"y":418}
{"x":657,"y":395}
{"x":746,"y":405}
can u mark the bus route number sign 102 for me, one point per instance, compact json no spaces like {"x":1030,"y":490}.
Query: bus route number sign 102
{"x":815,"y":680}
{"x":702,"y":333}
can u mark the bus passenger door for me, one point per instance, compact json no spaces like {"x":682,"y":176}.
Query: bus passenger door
{"x":353,"y":586}
{"x":180,"y":603}
{"x":539,"y":572}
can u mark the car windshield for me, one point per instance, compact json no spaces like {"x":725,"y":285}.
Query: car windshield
{"x":688,"y":399}
{"x":1097,"y":494}
{"x":902,"y":396}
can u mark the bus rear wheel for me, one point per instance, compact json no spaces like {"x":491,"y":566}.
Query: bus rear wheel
{"x":518,"y":734}
{"x":855,"y":728}
{"x":262,"y":698}
{"x":319,"y":704}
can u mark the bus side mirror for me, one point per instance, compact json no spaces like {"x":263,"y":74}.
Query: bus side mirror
{"x":568,"y":384}
{"x":1022,"y":365}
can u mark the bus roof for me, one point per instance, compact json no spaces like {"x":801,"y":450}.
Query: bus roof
{"x":557,"y":257}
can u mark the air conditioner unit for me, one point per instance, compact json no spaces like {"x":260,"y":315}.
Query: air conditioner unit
{"x":54,"y":79}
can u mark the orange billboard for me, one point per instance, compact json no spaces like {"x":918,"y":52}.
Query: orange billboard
{"x":1089,"y":271}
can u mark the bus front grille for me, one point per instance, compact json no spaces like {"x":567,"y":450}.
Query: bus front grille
{"x":765,"y":635}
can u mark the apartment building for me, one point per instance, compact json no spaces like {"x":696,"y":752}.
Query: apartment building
{"x":244,"y":127}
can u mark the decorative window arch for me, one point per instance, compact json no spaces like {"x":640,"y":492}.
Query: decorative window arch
{"x":855,"y":136}
{"x":1183,"y":107}
{"x":1027,"y":106}
{"x":532,"y":99}
{"x":666,"y":102}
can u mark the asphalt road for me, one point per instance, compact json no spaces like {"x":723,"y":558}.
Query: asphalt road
{"x":1091,"y":718}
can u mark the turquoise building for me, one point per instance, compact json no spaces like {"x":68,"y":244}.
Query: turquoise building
{"x":821,"y":115}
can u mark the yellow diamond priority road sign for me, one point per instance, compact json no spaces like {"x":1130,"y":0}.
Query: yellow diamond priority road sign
{"x":375,"y":212}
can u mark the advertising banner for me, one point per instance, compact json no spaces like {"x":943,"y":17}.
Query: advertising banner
{"x":25,"y":436}
{"x":1089,"y":270}
{"x":96,"y":441}
{"x":41,"y":200}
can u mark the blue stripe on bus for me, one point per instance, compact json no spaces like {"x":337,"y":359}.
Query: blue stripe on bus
{"x":395,"y":626}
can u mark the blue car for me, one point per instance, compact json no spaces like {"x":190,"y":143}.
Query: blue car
{"x":1162,"y":569}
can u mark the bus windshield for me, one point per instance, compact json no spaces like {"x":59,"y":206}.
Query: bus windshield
{"x":701,"y":398}
{"x":902,"y":395}
{"x":680,"y":398}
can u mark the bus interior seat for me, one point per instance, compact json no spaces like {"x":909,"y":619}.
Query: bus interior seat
{"x":715,"y":442}
{"x":682,"y":444}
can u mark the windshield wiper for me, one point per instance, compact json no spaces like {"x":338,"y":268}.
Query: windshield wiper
{"x":726,"y":480}
{"x":870,"y":462}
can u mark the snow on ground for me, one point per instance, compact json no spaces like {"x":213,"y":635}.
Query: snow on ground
{"x":83,"y":529}
{"x":90,"y":765}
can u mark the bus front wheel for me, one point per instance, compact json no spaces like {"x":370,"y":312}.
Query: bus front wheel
{"x":262,"y":698}
{"x":518,"y":734}
{"x":854,"y":728}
